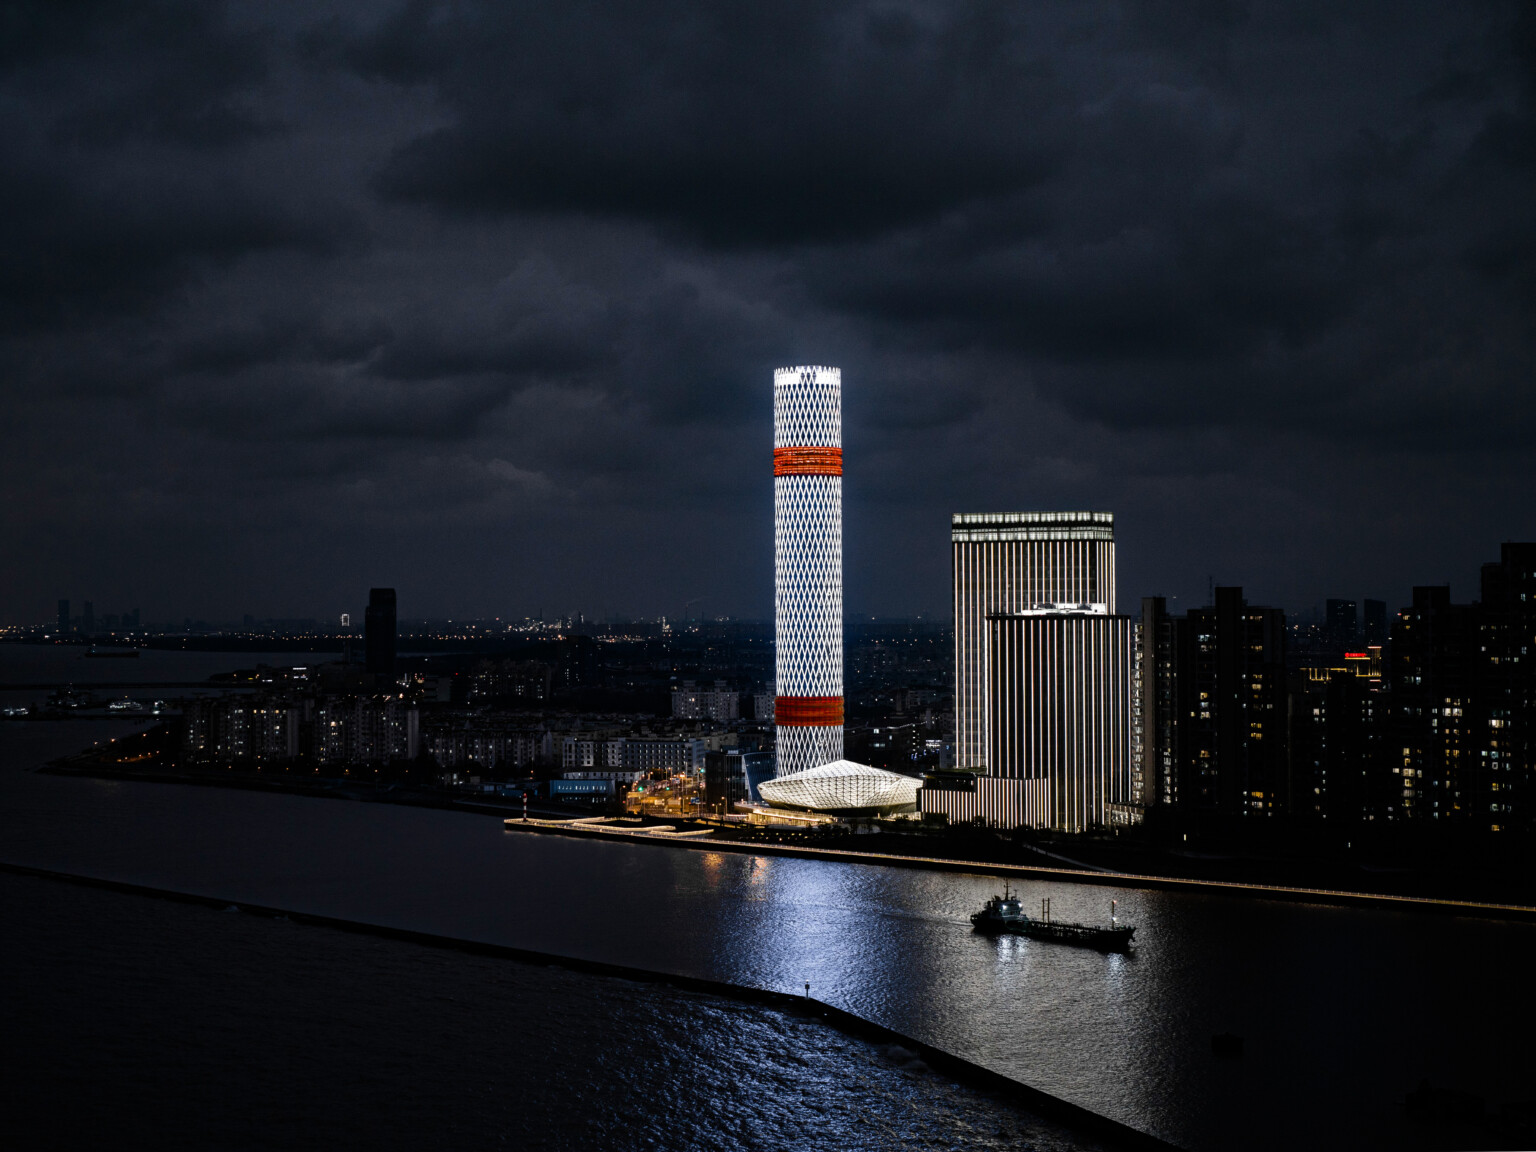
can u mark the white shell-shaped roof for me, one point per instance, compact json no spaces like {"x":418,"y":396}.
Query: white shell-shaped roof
{"x":841,"y":785}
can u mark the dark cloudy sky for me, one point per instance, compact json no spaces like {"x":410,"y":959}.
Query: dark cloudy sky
{"x":482,"y":300}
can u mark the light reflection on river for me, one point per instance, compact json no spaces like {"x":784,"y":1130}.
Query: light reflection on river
{"x":1342,"y":1010}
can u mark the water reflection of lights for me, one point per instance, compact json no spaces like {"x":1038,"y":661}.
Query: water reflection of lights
{"x":1012,"y":949}
{"x":1125,"y":1036}
{"x":819,"y":925}
{"x":757,"y":877}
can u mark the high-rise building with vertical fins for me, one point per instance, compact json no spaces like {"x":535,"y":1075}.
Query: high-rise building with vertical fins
{"x":808,"y":566}
{"x":1044,"y":674}
{"x":1017,"y":562}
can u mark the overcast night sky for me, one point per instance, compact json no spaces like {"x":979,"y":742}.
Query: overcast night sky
{"x":482,"y":300}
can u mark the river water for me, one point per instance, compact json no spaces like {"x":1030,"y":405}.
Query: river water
{"x":1342,"y":1010}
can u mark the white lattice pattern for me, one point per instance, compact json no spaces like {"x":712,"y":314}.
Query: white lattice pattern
{"x":808,"y":408}
{"x":808,"y":584}
{"x":808,"y":561}
{"x":802,"y":748}
{"x":842,"y":786}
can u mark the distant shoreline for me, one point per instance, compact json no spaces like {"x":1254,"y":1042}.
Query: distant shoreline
{"x":323,"y":788}
{"x":549,"y":821}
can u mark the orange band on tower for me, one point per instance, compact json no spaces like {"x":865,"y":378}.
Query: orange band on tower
{"x":808,"y":711}
{"x":808,"y":462}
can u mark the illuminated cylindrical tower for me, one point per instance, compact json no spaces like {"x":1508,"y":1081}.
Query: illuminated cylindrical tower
{"x":808,"y":565}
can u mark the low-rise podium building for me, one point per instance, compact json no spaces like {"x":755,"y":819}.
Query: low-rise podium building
{"x":843,"y":788}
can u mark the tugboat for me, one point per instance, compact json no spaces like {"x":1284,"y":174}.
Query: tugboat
{"x":1003,"y":914}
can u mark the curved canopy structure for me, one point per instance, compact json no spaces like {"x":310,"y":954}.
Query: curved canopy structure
{"x":842,"y":786}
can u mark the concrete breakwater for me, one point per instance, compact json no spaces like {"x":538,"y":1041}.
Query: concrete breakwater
{"x":1090,"y":1123}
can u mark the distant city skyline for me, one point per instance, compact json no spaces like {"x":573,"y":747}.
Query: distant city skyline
{"x":1314,"y":613}
{"x":427,"y":601}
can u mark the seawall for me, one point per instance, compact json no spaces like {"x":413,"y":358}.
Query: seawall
{"x":1048,"y":1106}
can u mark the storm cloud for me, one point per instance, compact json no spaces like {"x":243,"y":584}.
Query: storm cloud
{"x":482,"y":299}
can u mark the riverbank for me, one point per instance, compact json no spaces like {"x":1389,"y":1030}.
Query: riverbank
{"x":598,"y":828}
{"x":557,"y":821}
{"x":1089,"y":1123}
{"x":142,"y":758}
{"x":89,"y":766}
{"x":1316,"y":992}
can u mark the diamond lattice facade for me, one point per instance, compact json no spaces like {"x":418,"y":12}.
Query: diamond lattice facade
{"x":808,"y":566}
{"x":843,"y":786}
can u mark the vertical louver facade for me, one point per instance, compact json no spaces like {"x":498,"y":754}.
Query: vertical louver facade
{"x":1060,"y":699}
{"x":1013,"y":562}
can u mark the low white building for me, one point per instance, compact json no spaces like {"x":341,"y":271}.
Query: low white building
{"x":843,"y":787}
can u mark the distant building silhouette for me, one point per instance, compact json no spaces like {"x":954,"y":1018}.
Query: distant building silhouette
{"x":64,"y":617}
{"x":576,"y":663}
{"x":379,"y":632}
{"x":722,"y":702}
{"x":725,"y":780}
{"x":1156,"y":747}
{"x":1433,"y":667}
{"x":1343,"y":623}
{"x":1504,"y":788}
{"x":1335,"y":732}
{"x":1464,"y":702}
{"x":1219,"y":673}
{"x":1374,"y":629}
{"x":884,"y":745}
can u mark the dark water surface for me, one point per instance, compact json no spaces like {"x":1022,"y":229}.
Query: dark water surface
{"x":148,"y":1024}
{"x":1343,"y":1010}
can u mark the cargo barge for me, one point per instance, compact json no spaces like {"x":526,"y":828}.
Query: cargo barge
{"x":1004,"y":915}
